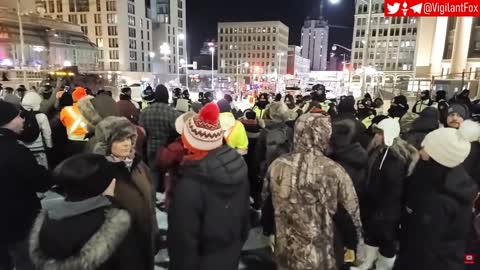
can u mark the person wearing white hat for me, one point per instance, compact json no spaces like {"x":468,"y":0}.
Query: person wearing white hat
{"x":439,"y":199}
{"x":391,"y":160}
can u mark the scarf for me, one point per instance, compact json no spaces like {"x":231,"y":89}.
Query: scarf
{"x":192,"y":153}
{"x":128,"y":161}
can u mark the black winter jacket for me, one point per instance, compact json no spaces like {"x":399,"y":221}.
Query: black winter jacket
{"x":472,"y":163}
{"x":21,"y":177}
{"x":100,"y":239}
{"x":382,"y":203}
{"x":208,"y":221}
{"x":437,"y":218}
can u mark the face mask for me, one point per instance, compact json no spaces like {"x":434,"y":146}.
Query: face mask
{"x":262,"y":104}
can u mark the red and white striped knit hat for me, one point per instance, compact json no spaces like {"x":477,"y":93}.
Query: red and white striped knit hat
{"x":202,"y":131}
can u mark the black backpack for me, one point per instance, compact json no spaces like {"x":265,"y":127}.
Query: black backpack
{"x":31,"y":129}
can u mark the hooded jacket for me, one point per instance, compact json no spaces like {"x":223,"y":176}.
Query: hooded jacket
{"x":134,"y":189}
{"x":437,"y":218}
{"x":31,"y":102}
{"x":382,"y":203}
{"x":349,"y":153}
{"x":208,"y":220}
{"x":307,"y":188}
{"x":101,"y":238}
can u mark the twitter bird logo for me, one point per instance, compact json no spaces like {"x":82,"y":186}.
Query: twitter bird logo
{"x":392,"y":9}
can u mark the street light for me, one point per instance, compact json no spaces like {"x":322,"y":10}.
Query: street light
{"x":212,"y":51}
{"x":151,"y":54}
{"x":165,"y":50}
{"x":281,"y":54}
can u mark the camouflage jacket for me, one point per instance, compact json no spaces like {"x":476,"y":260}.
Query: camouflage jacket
{"x":307,"y":188}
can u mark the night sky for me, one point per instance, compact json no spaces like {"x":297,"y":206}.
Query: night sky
{"x":203,"y":16}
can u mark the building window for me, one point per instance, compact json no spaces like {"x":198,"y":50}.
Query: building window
{"x":111,"y":5}
{"x":180,"y":23}
{"x":98,"y":30}
{"x":83,"y":18}
{"x":59,"y":6}
{"x":79,"y":5}
{"x":180,"y":14}
{"x":114,"y":66}
{"x":113,"y":43}
{"x":98,"y":18}
{"x":132,"y":44}
{"x":133,"y":67}
{"x":133,"y":55}
{"x":112,"y":31}
{"x":112,"y":18}
{"x":132,"y":32}
{"x":99,"y":5}
{"x":148,"y":35}
{"x":100,"y":42}
{"x":100,"y":54}
{"x":72,"y":19}
{"x":113,"y":54}
{"x":84,"y":29}
{"x":131,"y":20}
{"x":60,"y":17}
{"x":51,"y":6}
{"x":131,"y":8}
{"x":180,"y":4}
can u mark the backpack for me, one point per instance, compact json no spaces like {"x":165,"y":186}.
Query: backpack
{"x":31,"y":129}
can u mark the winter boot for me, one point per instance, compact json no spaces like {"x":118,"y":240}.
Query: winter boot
{"x":370,"y":256}
{"x":384,"y":263}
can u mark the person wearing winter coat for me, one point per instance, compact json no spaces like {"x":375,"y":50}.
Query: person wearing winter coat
{"x":427,"y":122}
{"x":21,"y":177}
{"x":127,"y":107}
{"x":308,"y":189}
{"x":134,"y":191}
{"x":253,"y":129}
{"x":234,"y":131}
{"x":349,"y":153}
{"x":261,"y":106}
{"x":86,"y":229}
{"x":391,"y":160}
{"x":208,"y":221}
{"x":346,"y":110}
{"x":438,"y":209}
{"x":43,"y":143}
{"x":398,"y":107}
{"x":424,"y":102}
{"x":158,"y":119}
{"x":74,"y":122}
{"x":93,"y":111}
{"x":61,"y":151}
{"x":293,"y":111}
{"x":442,"y":105}
{"x":49,"y":98}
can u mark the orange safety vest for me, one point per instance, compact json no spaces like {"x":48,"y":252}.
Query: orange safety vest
{"x":74,"y":122}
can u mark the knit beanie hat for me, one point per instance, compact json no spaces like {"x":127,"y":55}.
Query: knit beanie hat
{"x":460,"y":109}
{"x":450,"y":147}
{"x":8,"y":112}
{"x":84,"y":176}
{"x":391,"y":130}
{"x":78,"y":94}
{"x":203,"y":131}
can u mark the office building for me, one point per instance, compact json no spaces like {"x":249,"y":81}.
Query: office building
{"x":49,"y":44}
{"x":120,"y":29}
{"x":314,"y":42}
{"x":169,"y":23}
{"x":387,"y":53}
{"x":297,"y":65}
{"x":252,"y":49}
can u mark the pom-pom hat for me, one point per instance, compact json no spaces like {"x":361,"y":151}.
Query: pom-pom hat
{"x":202,"y":131}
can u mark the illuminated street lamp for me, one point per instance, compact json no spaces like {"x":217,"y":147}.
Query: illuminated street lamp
{"x":212,"y":52}
{"x":165,"y":50}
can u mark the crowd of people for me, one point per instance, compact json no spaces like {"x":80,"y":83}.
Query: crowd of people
{"x":335,"y":184}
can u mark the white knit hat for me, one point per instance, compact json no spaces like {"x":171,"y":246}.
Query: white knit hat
{"x":450,"y":147}
{"x":390,"y":128}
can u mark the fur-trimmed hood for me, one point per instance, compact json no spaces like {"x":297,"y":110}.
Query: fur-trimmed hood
{"x":406,"y":153}
{"x":96,"y":109}
{"x":111,"y":129}
{"x":96,"y":250}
